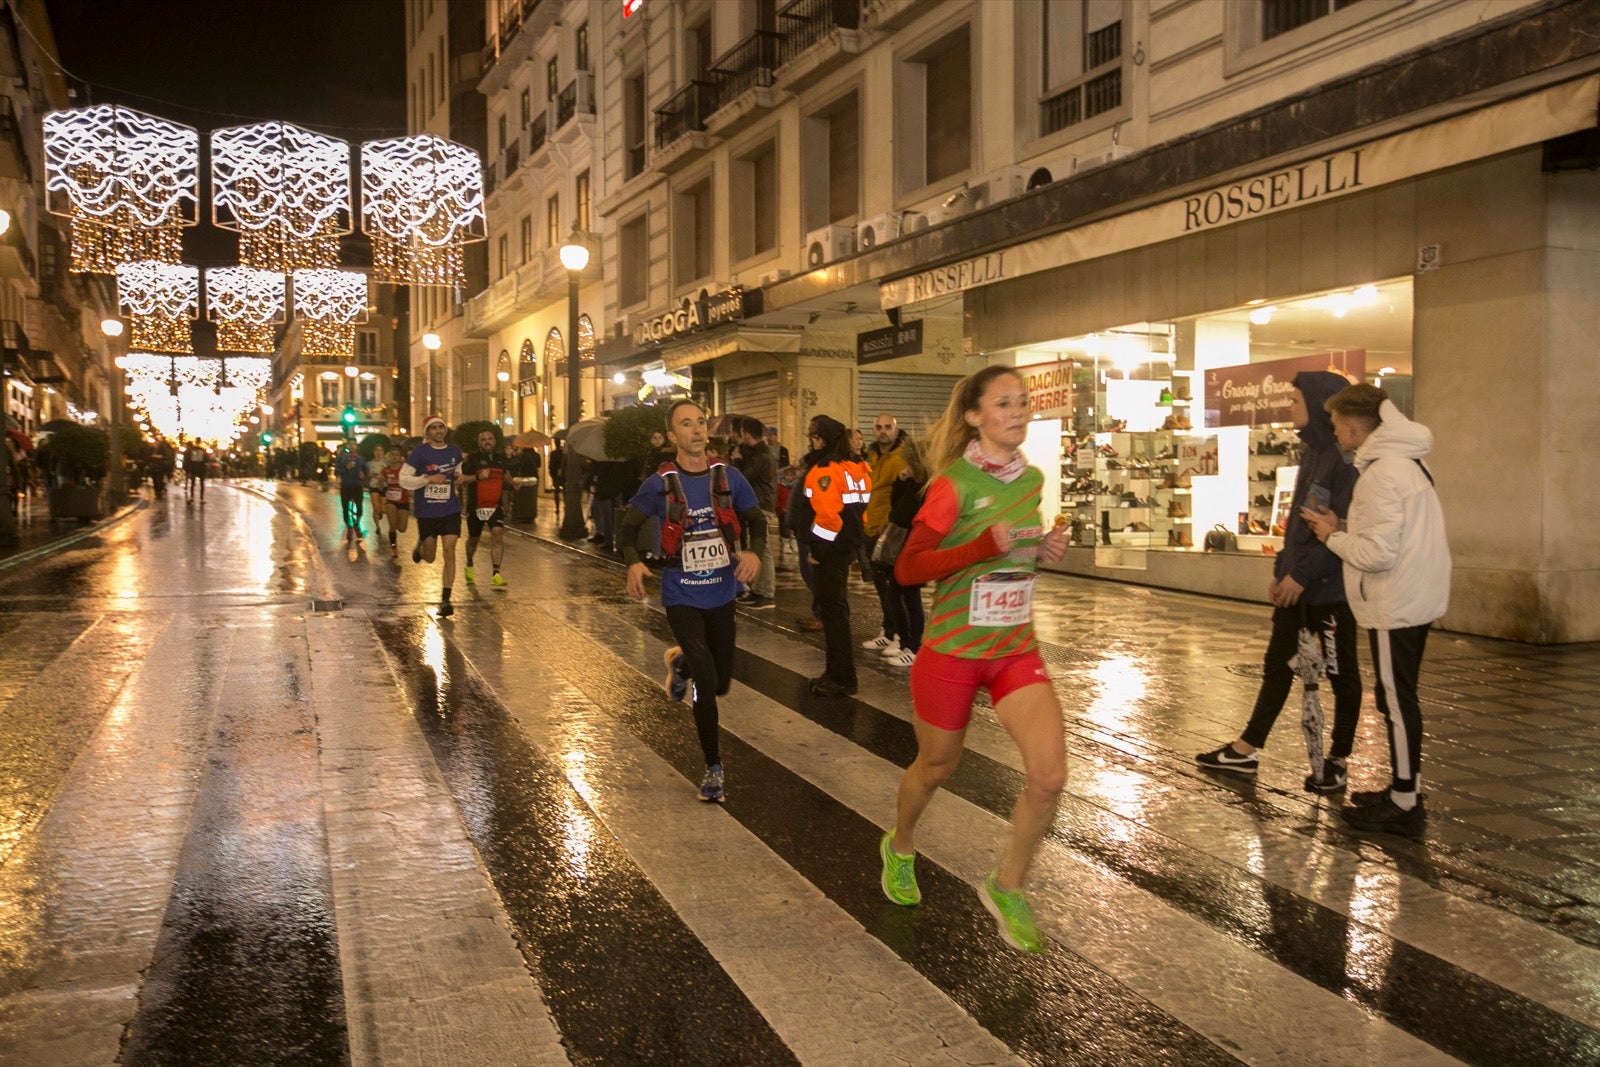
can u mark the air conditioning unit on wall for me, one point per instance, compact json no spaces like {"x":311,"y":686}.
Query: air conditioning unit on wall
{"x":828,"y":244}
{"x":877,"y":229}
{"x":1100,"y":159}
{"x":774,"y":277}
{"x":917,"y":221}
{"x":1004,"y":184}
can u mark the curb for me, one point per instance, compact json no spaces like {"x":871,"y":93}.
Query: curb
{"x":74,"y":537}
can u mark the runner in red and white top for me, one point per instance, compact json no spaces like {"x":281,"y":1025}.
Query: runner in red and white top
{"x":396,"y":500}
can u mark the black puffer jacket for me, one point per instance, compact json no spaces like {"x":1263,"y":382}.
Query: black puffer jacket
{"x":1304,"y":558}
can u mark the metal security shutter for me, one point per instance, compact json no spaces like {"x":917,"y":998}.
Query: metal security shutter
{"x":756,"y":397}
{"x":916,"y":400}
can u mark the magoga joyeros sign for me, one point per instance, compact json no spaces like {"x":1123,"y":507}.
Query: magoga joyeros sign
{"x":1252,"y":394}
{"x":697,"y":313}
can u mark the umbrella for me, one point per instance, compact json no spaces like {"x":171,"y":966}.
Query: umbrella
{"x":21,"y":439}
{"x":1310,"y":667}
{"x":722,"y":425}
{"x":531,"y":439}
{"x":588,"y":439}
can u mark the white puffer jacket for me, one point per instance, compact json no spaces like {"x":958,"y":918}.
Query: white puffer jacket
{"x":1396,"y":558}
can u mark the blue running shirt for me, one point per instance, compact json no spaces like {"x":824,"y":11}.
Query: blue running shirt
{"x":435,"y":501}
{"x":696,"y":589}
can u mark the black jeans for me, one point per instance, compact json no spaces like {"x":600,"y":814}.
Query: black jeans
{"x":706,"y":637}
{"x":882,"y":576}
{"x":1344,"y":674}
{"x":831,"y":572}
{"x":1397,"y":660}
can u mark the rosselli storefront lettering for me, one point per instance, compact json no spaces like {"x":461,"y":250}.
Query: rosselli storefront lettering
{"x":958,"y":276}
{"x":1338,"y":173}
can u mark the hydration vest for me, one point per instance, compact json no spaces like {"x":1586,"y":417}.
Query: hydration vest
{"x":678,"y":508}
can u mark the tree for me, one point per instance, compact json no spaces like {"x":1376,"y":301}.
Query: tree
{"x":628,"y":430}
{"x":371,"y":445}
{"x":466,"y":435}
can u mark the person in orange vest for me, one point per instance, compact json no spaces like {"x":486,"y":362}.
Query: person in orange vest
{"x":834,"y":496}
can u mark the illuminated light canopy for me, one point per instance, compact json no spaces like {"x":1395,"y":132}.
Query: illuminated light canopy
{"x":193,"y":397}
{"x":329,"y":303}
{"x":421,"y":204}
{"x":284,"y":190}
{"x":245,"y":304}
{"x":128,"y":181}
{"x":162,"y":300}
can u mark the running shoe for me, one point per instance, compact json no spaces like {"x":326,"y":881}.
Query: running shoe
{"x":677,"y":683}
{"x":1226,"y":759}
{"x":1331,"y":780}
{"x":903,"y":658}
{"x":446,"y":609}
{"x":1012,"y":916}
{"x":416,"y":553}
{"x":470,"y":579}
{"x":879,"y":643}
{"x":711,"y":785}
{"x":498,"y":579}
{"x":899,"y":874}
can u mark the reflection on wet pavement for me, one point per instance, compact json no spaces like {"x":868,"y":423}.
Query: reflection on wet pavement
{"x":238,"y":814}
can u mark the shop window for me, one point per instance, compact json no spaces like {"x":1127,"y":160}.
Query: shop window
{"x":831,"y":148}
{"x":1082,"y":61}
{"x":581,"y":197}
{"x":691,"y":236}
{"x":634,"y":125}
{"x":934,"y":112}
{"x":633,"y":262}
{"x":755,"y":207}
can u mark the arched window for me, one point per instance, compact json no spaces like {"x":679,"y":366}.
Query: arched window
{"x":526,"y":357}
{"x":585,"y":339}
{"x":555,"y":353}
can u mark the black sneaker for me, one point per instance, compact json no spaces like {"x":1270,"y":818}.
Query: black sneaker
{"x":827,"y":687}
{"x":760,"y":603}
{"x":446,"y":610}
{"x":1366,"y":798}
{"x":1226,"y":759}
{"x":1386,"y":817}
{"x":416,"y":554}
{"x":1331,"y":780}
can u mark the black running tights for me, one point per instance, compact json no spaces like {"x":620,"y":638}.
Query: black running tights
{"x":706,"y":637}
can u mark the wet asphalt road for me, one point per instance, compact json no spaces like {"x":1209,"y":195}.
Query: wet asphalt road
{"x":238,"y":830}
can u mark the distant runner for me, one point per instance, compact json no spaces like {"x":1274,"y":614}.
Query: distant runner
{"x":430,"y":472}
{"x":488,"y":472}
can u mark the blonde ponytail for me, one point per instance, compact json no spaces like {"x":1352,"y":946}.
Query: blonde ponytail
{"x":948,"y":439}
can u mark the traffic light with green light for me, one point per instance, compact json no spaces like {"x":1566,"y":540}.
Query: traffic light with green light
{"x":349,"y":416}
{"x":266,"y":438}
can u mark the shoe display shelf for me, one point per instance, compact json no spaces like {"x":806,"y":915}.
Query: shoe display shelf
{"x":1140,"y":498}
{"x":1274,"y":459}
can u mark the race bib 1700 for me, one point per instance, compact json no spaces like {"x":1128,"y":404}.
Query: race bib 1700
{"x":704,"y":552}
{"x":1004,"y":598}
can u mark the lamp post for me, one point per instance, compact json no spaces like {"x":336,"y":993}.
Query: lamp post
{"x":574,"y":257}
{"x":431,"y":342}
{"x":112,"y":329}
{"x":8,"y":526}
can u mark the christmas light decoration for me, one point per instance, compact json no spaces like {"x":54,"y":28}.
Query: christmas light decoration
{"x":421,"y":204}
{"x":286,"y":191}
{"x":328,"y":304}
{"x":245,"y":304}
{"x":162,"y":299}
{"x":193,"y":397}
{"x":128,"y":181}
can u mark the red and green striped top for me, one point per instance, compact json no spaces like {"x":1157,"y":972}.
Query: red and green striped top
{"x":961,"y":505}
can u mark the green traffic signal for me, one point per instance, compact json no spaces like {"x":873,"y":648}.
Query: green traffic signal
{"x":266,"y":438}
{"x":349,"y":415}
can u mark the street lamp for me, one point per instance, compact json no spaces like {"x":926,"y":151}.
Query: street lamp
{"x":574,"y":257}
{"x":432,"y":343}
{"x":111,"y":328}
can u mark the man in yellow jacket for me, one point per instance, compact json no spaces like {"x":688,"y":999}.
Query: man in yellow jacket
{"x":885,"y":461}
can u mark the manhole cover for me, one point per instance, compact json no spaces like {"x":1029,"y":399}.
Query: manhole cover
{"x":327,"y":605}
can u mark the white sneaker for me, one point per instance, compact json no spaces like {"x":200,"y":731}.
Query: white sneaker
{"x":903,"y":658}
{"x":892,"y":649}
{"x":877,"y":644}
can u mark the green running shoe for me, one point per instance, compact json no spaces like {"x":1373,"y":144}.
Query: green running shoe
{"x":499,"y":580}
{"x":1012,"y":916}
{"x":899,"y":874}
{"x":470,"y":579}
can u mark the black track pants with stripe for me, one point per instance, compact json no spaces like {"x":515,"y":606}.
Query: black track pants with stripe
{"x":1397,"y":660}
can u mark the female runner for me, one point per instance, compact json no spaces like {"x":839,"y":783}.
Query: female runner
{"x":396,"y":501}
{"x":977,"y":537}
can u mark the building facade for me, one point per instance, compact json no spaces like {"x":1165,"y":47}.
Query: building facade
{"x":310,"y":393}
{"x":1158,"y":210}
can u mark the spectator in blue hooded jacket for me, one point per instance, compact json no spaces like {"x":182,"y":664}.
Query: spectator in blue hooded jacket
{"x":1307,"y":590}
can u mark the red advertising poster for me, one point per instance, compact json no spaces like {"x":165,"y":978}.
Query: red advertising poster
{"x":1253,"y":394}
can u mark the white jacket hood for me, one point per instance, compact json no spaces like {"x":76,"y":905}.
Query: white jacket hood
{"x":1396,"y":559}
{"x":1397,"y":436}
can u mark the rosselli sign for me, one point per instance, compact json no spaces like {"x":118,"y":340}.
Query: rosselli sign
{"x":697,"y":313}
{"x":1290,"y":187}
{"x":1253,"y":394}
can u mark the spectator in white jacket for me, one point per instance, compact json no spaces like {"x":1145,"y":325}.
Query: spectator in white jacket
{"x":1397,"y":579}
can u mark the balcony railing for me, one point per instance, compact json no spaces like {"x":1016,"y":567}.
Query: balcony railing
{"x":491,"y":178}
{"x":747,"y":65}
{"x":566,"y":104}
{"x":804,"y":23}
{"x":536,"y":134}
{"x":511,"y":159}
{"x":685,"y":112}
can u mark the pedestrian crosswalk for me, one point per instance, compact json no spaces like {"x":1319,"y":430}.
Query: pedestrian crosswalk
{"x":369,"y":836}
